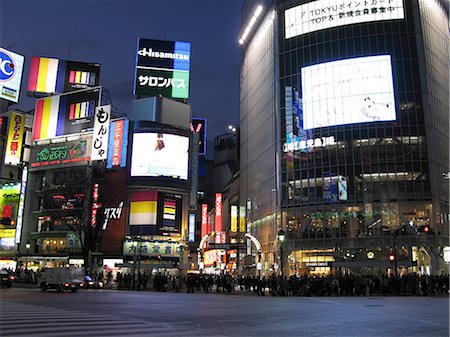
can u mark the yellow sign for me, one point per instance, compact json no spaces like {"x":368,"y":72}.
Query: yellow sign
{"x":16,"y":129}
{"x":242,"y":219}
{"x":234,"y":214}
{"x":7,"y":233}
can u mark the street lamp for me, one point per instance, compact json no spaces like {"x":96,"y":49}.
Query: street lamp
{"x":281,"y":236}
{"x":137,"y":251}
{"x":27,"y":246}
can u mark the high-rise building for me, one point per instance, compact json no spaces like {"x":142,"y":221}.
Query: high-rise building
{"x":345,"y":134}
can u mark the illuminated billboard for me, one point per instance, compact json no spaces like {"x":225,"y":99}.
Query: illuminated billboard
{"x":51,"y":75}
{"x":162,"y":68}
{"x":14,"y":141}
{"x":117,"y":144}
{"x":57,"y":155}
{"x":143,"y":211}
{"x":169,"y":214}
{"x":9,"y":202}
{"x":160,"y":155}
{"x":323,"y":14}
{"x":349,"y":91}
{"x":65,"y":114}
{"x":11,"y":68}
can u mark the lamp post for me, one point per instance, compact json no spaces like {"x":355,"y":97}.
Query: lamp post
{"x":281,"y":236}
{"x":27,"y":246}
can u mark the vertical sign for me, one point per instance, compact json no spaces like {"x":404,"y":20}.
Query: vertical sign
{"x":242,"y":219}
{"x":191,"y":227}
{"x":15,"y":137}
{"x":101,"y":132}
{"x":194,"y":171}
{"x":23,"y":188}
{"x":204,"y":220}
{"x":218,"y":219}
{"x":234,"y":213}
{"x":95,"y":205}
{"x":118,"y":142}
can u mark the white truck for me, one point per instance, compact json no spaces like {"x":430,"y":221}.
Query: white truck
{"x":61,"y":278}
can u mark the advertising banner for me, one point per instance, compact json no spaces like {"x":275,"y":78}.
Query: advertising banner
{"x":234,"y":215}
{"x":9,"y":201}
{"x":242,"y":220}
{"x":101,"y":132}
{"x":11,"y":68}
{"x":205,"y":229}
{"x":153,"y":155}
{"x":51,"y":75}
{"x":74,"y":153}
{"x":169,"y":214}
{"x":65,"y":114}
{"x":348,"y":91}
{"x":323,"y":14}
{"x":118,"y":143}
{"x":143,"y":212}
{"x":14,"y":141}
{"x":162,"y":68}
{"x":151,"y":249}
{"x":191,"y":227}
{"x":218,"y":217}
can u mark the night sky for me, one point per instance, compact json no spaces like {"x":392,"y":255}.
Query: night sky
{"x":106,"y":32}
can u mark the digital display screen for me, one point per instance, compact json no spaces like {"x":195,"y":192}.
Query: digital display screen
{"x":348,"y":91}
{"x":160,"y":154}
{"x":323,"y":14}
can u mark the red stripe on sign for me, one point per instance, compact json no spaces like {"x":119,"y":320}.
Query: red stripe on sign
{"x":38,"y":119}
{"x":34,"y":71}
{"x":144,"y":196}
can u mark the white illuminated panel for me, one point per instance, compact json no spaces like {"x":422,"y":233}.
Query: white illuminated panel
{"x":160,"y":155}
{"x":323,"y":14}
{"x":348,"y":91}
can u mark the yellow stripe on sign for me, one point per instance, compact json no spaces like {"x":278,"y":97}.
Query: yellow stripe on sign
{"x":143,"y":207}
{"x":46,"y":117}
{"x":78,"y":77}
{"x":77,"y":110}
{"x":42,"y":75}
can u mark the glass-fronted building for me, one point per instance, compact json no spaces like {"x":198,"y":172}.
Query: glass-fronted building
{"x":345,"y":134}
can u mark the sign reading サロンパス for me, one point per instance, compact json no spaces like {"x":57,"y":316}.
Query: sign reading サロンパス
{"x":323,"y":14}
{"x":162,"y":68}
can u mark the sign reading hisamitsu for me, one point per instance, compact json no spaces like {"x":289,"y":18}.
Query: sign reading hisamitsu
{"x":323,"y":14}
{"x":162,"y":68}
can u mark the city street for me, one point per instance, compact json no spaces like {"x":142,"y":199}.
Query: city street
{"x":30,"y":312}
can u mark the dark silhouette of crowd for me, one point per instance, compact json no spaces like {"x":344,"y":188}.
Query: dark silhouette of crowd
{"x":295,"y":285}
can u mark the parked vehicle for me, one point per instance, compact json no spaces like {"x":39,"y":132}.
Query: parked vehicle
{"x":6,"y":278}
{"x":89,"y":283}
{"x":62,"y":278}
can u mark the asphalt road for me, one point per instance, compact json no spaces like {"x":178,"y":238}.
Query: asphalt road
{"x":30,"y":312}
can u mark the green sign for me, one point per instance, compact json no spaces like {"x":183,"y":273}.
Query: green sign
{"x":63,"y":154}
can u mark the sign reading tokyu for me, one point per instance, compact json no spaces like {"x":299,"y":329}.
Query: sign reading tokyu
{"x":323,"y":14}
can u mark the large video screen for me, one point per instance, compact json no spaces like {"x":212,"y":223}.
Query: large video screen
{"x":348,"y":91}
{"x":160,"y":154}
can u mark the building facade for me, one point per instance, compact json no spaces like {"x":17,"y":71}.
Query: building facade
{"x":344,"y":134}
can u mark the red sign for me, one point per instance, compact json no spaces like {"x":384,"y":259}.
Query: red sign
{"x":204,"y":220}
{"x":218,"y":222}
{"x":7,"y":212}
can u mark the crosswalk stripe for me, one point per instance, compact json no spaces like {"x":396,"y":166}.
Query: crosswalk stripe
{"x":18,"y":319}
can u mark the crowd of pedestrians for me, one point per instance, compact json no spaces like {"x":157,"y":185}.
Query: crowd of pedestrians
{"x":296,"y":285}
